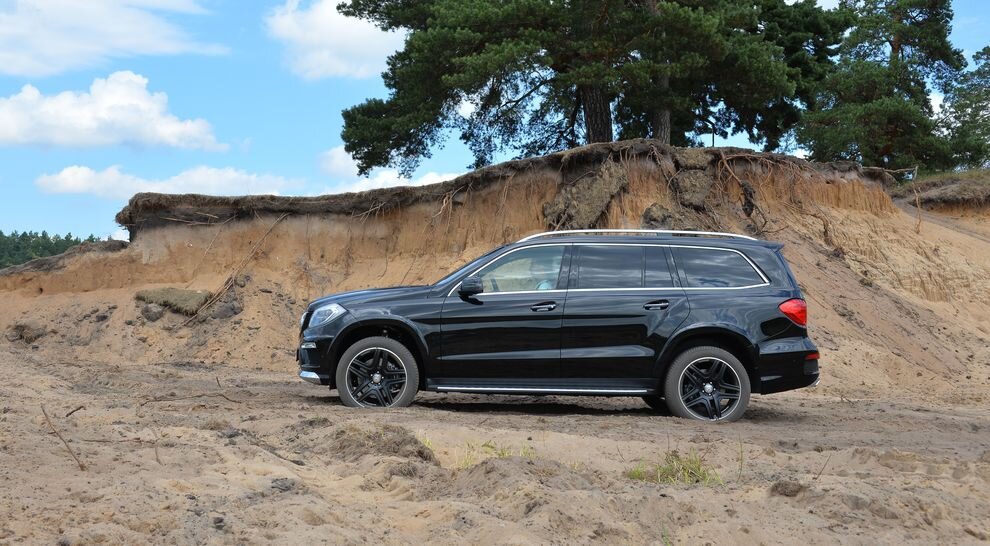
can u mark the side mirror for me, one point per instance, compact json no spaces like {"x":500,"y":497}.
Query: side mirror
{"x":471,"y":286}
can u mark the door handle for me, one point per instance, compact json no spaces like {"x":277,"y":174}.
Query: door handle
{"x":548,"y":306}
{"x":658,"y":305}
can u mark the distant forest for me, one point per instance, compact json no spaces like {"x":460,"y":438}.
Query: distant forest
{"x":17,"y":248}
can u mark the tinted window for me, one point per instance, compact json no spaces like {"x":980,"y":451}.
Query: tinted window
{"x":533,"y":268}
{"x":610,"y":267}
{"x":657,"y":272}
{"x":711,"y":268}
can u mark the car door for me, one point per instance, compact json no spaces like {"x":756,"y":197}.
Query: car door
{"x":622,"y":306}
{"x":512,"y":329}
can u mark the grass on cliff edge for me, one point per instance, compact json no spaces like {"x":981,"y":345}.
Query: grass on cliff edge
{"x":186,"y":302}
{"x":959,"y":188}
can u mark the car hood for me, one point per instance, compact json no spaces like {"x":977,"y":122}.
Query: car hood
{"x":371,"y":295}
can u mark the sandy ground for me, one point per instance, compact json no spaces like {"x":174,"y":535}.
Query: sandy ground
{"x":187,"y":453}
{"x":200,"y":433}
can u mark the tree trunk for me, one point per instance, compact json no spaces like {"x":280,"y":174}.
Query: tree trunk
{"x":661,"y":126}
{"x":660,"y":119}
{"x":597,"y":110}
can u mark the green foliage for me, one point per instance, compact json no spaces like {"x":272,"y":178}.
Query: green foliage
{"x":541,"y":76}
{"x":874,"y":108}
{"x":965,"y":115}
{"x":18,"y":248}
{"x":868,"y":114}
{"x":676,"y":468}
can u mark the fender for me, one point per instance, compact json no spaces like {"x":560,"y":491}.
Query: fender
{"x":737,"y":337}
{"x":366,"y":319}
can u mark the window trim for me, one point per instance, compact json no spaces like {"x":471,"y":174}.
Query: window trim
{"x":766,"y":281}
{"x":489,"y":262}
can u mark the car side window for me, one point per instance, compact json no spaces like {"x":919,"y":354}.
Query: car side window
{"x":657,"y":272}
{"x":528,"y":269}
{"x":611,"y":266}
{"x":715,"y":268}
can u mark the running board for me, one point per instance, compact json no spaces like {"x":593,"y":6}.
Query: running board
{"x":544,"y":390}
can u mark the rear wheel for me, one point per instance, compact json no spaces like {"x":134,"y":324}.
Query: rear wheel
{"x":377,"y":372}
{"x":707,"y":384}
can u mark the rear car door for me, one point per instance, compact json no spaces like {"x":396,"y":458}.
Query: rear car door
{"x":512,"y":329}
{"x":622,"y":306}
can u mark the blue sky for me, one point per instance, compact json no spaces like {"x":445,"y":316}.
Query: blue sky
{"x":102,"y":98}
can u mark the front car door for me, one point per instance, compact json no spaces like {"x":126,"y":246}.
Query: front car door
{"x":511,"y":331}
{"x":622,"y":306}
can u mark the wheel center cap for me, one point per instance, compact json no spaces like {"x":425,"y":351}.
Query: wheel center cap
{"x":709,"y":388}
{"x":376,"y":378}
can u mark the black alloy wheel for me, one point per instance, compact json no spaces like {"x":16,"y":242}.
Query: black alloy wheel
{"x":707,"y":384}
{"x":377,"y":372}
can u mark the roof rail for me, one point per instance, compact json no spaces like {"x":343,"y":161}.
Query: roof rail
{"x":655,"y":232}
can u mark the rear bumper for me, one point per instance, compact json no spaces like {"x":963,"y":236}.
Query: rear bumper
{"x":783,"y":365}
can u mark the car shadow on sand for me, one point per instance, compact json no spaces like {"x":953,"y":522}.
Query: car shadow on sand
{"x":521,"y":405}
{"x":558,"y":405}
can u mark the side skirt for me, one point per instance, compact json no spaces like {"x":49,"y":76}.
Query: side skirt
{"x":544,"y":386}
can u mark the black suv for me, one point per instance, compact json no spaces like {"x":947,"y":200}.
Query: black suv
{"x":693,"y":320}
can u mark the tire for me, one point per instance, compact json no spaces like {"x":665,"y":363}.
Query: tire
{"x":707,"y":384}
{"x":655,"y":401}
{"x":369,"y":370}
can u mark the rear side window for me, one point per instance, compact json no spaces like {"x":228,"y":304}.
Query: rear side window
{"x":714,"y":268}
{"x":610,"y":267}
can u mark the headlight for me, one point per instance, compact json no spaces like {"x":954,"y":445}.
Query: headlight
{"x":325,"y":314}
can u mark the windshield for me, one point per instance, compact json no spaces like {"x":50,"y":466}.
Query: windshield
{"x":470,"y":266}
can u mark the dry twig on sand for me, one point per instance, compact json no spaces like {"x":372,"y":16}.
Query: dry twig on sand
{"x":57,"y":433}
{"x":75,"y":410}
{"x":190,"y":397}
{"x":917,"y":206}
{"x":827,"y":459}
{"x":157,"y":458}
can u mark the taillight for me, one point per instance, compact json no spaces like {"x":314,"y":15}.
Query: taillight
{"x":812,"y":356}
{"x":796,"y":310}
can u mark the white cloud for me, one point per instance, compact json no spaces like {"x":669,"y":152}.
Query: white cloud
{"x":465,"y":108}
{"x":824,"y":4}
{"x":114,"y":184}
{"x":322,"y":43}
{"x":44,"y":37}
{"x":116,"y":110}
{"x":120,"y":234}
{"x":937,"y":100}
{"x":337,"y":163}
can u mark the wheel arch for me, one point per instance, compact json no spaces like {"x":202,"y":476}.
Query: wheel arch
{"x":716,"y":335}
{"x":393,"y":328}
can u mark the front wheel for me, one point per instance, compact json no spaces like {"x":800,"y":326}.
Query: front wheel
{"x":377,"y":372}
{"x":707,"y":384}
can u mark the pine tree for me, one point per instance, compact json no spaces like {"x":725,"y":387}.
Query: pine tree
{"x":965,"y":115}
{"x":534,"y":76}
{"x":875,"y":107}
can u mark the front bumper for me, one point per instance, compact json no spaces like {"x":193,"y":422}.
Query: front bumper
{"x":314,"y":377}
{"x":313,"y":357}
